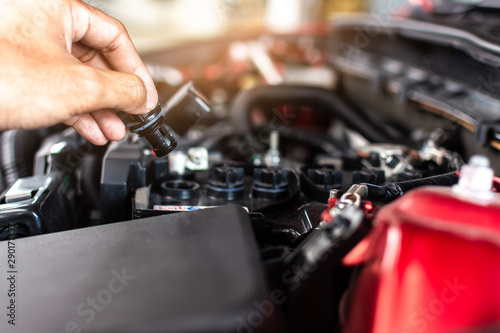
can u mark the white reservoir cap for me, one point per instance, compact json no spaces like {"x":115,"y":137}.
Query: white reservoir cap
{"x":476,"y":178}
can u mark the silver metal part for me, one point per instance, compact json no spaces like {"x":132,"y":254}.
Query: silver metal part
{"x":272,"y":157}
{"x":354,"y":195}
{"x":334,"y":193}
{"x":197,"y":159}
{"x":351,"y":199}
{"x":431,"y":152}
{"x":393,"y":158}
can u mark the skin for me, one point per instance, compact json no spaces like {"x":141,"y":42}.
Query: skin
{"x":66,"y":61}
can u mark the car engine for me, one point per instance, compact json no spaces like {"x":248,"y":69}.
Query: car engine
{"x":336,"y":179}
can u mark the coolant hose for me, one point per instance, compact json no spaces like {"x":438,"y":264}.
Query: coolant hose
{"x":313,"y":96}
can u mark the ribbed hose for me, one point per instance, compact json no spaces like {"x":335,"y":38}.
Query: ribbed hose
{"x":17,"y":151}
{"x":390,"y":192}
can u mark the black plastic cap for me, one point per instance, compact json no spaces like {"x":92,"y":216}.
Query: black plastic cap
{"x":152,"y":127}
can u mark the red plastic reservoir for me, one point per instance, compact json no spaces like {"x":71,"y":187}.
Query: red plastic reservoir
{"x":433,"y":265}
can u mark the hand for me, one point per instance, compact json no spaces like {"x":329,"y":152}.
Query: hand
{"x":66,"y":61}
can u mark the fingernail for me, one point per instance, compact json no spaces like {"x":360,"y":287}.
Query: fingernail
{"x":152,"y":98}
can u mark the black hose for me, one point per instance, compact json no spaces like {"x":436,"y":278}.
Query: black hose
{"x":17,"y":151}
{"x":321,"y":141}
{"x":313,"y":96}
{"x":390,"y":192}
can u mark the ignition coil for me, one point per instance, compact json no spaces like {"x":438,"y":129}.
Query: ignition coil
{"x":182,"y":111}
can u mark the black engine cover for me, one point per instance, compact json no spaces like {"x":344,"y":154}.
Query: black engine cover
{"x":189,"y":272}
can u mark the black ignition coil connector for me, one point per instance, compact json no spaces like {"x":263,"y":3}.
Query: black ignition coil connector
{"x":182,"y":111}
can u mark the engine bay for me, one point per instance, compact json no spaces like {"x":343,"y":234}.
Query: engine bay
{"x":296,"y":155}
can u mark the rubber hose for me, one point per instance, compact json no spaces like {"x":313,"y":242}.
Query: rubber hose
{"x":313,"y":96}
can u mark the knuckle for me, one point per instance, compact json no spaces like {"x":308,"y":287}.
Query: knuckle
{"x":118,"y":26}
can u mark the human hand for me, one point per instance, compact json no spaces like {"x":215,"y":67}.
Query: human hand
{"x":66,"y":61}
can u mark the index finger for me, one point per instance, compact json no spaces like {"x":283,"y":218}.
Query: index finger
{"x":102,"y":32}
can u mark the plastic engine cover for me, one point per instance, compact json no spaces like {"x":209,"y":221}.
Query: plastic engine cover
{"x":189,"y":272}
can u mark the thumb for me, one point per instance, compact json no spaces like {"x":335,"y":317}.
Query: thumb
{"x":100,"y":89}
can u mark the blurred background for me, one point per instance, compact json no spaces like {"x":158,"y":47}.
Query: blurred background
{"x":157,"y":24}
